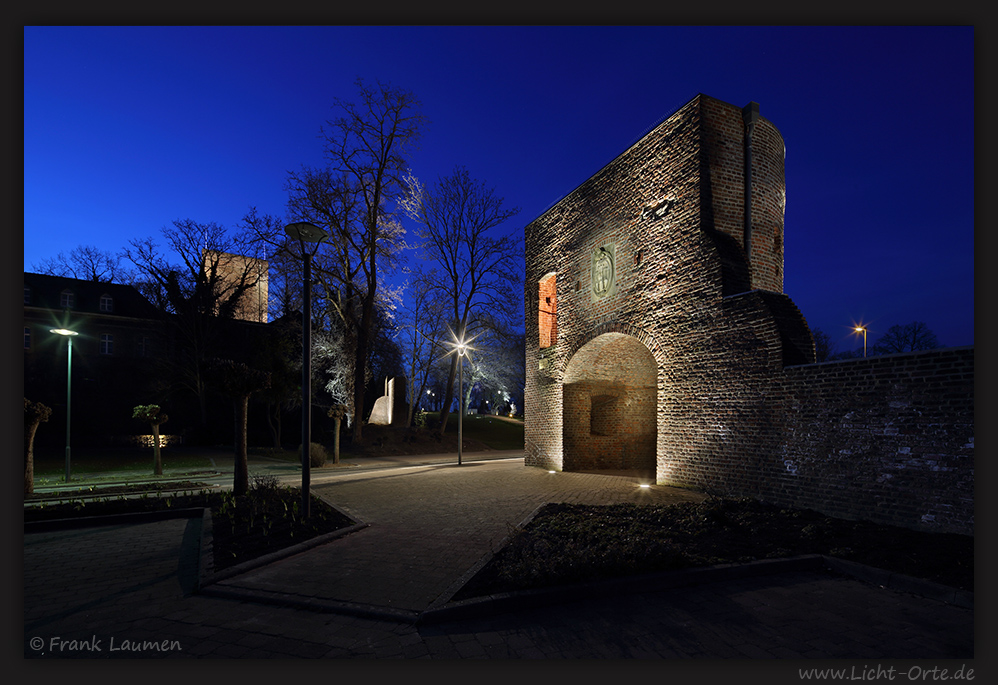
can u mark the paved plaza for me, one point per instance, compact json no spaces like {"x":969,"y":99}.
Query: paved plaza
{"x":131,"y":590}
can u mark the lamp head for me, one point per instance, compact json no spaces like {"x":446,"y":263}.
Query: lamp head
{"x":306,"y":232}
{"x":62,"y":331}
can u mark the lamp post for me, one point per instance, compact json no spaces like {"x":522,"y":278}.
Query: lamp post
{"x":461,"y":348}
{"x":304,"y":232}
{"x":862,"y":329}
{"x":69,"y":382}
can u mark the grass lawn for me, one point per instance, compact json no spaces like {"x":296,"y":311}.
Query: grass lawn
{"x":51,"y":469}
{"x":496,"y":432}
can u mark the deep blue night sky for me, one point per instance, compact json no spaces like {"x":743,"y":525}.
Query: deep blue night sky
{"x":128,"y":128}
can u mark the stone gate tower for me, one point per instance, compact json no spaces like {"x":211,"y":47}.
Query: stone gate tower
{"x":655,"y":315}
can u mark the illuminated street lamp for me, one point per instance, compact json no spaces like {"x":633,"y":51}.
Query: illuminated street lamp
{"x":462,"y":348}
{"x":304,"y":232}
{"x":69,"y":381}
{"x":862,"y":329}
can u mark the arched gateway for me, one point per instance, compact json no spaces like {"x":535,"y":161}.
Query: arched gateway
{"x":655,"y":309}
{"x":610,"y":399}
{"x":659,"y":338}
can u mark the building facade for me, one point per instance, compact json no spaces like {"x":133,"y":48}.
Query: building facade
{"x":120,"y":339}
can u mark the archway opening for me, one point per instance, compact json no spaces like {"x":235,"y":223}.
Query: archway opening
{"x":610,"y":400}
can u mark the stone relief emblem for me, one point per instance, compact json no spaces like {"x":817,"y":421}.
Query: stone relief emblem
{"x":602,"y":272}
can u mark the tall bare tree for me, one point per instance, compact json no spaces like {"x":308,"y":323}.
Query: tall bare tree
{"x":421,"y":333}
{"x":354,"y":198}
{"x":474,"y":270}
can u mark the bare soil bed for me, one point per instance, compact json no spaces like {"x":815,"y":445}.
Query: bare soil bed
{"x":567,"y":543}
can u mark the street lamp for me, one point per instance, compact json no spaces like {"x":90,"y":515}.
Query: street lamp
{"x":462,"y":348}
{"x":304,"y":232}
{"x":862,"y":329}
{"x":69,"y":381}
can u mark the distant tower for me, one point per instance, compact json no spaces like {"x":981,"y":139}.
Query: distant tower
{"x":234,"y":269}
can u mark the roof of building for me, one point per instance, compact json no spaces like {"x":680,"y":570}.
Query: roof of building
{"x":46,"y":293}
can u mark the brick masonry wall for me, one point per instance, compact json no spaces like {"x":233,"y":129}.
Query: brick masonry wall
{"x":887,"y":439}
{"x":717,"y":335}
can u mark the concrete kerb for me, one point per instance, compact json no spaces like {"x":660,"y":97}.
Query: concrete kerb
{"x":446,"y":596}
{"x":112,"y":519}
{"x":493,"y":605}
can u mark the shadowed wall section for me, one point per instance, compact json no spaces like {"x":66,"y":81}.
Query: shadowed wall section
{"x":610,"y":401}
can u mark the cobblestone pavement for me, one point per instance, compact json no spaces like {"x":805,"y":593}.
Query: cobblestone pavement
{"x":128,"y":590}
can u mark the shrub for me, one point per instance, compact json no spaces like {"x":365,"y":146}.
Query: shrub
{"x":316,"y":454}
{"x":265,"y":484}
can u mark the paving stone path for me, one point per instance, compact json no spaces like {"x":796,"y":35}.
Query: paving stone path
{"x":128,"y":590}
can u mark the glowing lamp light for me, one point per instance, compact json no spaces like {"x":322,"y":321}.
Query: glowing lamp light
{"x":68,"y":334}
{"x":862,"y":329}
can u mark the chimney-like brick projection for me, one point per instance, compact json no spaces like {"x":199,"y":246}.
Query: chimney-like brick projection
{"x":675,"y":352}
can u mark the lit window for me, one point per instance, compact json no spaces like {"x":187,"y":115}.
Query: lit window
{"x":547,"y":311}
{"x":106,"y":343}
{"x":27,"y":338}
{"x":68,"y":300}
{"x":106,"y":303}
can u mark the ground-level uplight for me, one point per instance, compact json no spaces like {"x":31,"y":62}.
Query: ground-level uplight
{"x":69,"y":382}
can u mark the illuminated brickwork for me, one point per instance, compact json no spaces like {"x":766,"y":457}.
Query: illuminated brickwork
{"x":235,"y":269}
{"x":678,"y":354}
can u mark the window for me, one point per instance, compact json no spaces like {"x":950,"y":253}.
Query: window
{"x":106,"y":303}
{"x":27,"y":338}
{"x":547,"y":311}
{"x":143,"y":349}
{"x":67,"y":300}
{"x":106,"y":343}
{"x":27,"y":295}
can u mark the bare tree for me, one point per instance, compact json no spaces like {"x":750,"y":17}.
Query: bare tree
{"x":421,"y":332}
{"x":86,"y":263}
{"x":149,"y":413}
{"x":35,"y":413}
{"x":907,"y":338}
{"x":206,"y":285}
{"x":823,"y":346}
{"x":353,"y":198}
{"x":238,"y":381}
{"x":476,"y":273}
